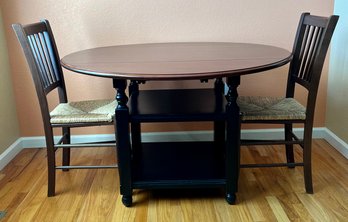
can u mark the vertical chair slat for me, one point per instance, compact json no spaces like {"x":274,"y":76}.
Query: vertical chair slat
{"x":53,"y":59}
{"x":36,"y":54}
{"x":309,"y":50}
{"x":307,"y":42}
{"x":298,"y":60}
{"x":47,"y":59}
{"x":42,"y":58}
{"x":315,"y":45}
{"x":311,"y":45}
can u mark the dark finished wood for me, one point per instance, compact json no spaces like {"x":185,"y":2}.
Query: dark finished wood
{"x":309,"y":51}
{"x":39,"y":47}
{"x":186,"y":160}
{"x":233,"y":130}
{"x":176,"y":61}
{"x":177,"y":105}
{"x":180,"y":105}
{"x":123,"y":141}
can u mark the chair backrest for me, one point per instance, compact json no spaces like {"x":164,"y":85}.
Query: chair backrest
{"x":41,"y":53}
{"x":309,"y":51}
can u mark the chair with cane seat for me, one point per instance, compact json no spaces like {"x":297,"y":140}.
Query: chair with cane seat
{"x":41,"y":53}
{"x":311,"y":44}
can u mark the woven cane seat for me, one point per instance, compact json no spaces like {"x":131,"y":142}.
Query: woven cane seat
{"x":84,"y":111}
{"x":270,"y":108}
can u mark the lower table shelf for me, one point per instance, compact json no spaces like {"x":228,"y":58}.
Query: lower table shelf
{"x":178,"y":165}
{"x":175,"y":165}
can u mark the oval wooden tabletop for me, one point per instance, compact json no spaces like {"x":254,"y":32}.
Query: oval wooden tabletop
{"x":174,"y":61}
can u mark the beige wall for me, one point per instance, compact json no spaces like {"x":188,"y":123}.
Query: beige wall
{"x":337,"y":103}
{"x":9,"y":131}
{"x":84,"y":24}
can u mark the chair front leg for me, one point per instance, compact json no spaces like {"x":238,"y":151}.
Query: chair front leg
{"x":307,"y":158}
{"x":289,"y":147}
{"x":66,"y":151}
{"x":51,"y":163}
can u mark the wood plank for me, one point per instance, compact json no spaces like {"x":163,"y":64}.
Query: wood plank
{"x":277,"y":208}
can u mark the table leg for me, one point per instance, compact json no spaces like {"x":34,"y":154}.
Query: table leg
{"x":219,"y":125}
{"x":135,"y":126}
{"x":232,"y":140}
{"x":123,"y":141}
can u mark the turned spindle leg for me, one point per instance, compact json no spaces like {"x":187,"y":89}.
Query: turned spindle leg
{"x":123,"y":141}
{"x":232,"y":140}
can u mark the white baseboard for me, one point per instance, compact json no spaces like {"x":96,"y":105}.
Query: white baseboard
{"x":10,"y":153}
{"x":336,"y":142}
{"x":38,"y":142}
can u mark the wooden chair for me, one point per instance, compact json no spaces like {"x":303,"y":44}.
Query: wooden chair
{"x":311,"y":44}
{"x":41,"y":53}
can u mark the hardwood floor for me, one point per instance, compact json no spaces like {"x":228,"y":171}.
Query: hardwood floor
{"x":267,"y":194}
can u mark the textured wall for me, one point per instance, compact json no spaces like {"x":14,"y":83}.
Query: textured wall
{"x":337,"y":102}
{"x":84,"y":24}
{"x":9,"y":130}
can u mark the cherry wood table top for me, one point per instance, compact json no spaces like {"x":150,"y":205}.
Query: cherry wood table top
{"x":176,"y":61}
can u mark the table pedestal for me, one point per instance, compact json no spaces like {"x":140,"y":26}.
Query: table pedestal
{"x":173,"y":165}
